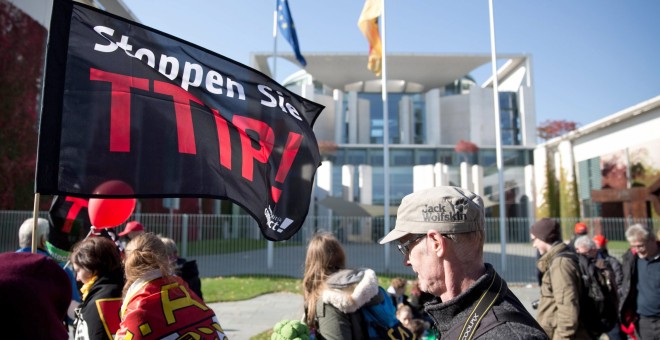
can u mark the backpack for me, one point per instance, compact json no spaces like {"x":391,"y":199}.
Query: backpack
{"x":381,"y":320}
{"x":599,"y":299}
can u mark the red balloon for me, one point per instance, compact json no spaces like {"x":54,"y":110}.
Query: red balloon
{"x":114,"y":188}
{"x":111,"y":212}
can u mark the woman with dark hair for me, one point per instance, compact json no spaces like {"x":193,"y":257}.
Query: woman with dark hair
{"x":158,"y":304}
{"x":97,"y":264}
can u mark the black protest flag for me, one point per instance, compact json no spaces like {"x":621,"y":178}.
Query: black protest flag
{"x":125,"y":102}
{"x":69,"y":223}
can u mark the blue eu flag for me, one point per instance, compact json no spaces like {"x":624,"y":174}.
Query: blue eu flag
{"x":288,"y":29}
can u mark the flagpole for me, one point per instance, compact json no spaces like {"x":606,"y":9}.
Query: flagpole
{"x":35,"y":218}
{"x":498,"y":139}
{"x":269,"y":249}
{"x":386,"y":137}
{"x":275,"y":44}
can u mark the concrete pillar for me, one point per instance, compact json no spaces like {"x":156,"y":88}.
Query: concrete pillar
{"x":441,"y":172}
{"x":466,"y":180}
{"x":340,"y":118}
{"x":423,"y":177}
{"x":348,"y":182}
{"x":478,"y":180}
{"x":540,"y":176}
{"x":365,"y":185}
{"x":324,"y":179}
{"x":530,"y":191}
{"x":433,"y":123}
{"x":405,"y":120}
{"x":352,"y":117}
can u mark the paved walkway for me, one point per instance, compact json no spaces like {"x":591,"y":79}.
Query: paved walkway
{"x":244,"y":319}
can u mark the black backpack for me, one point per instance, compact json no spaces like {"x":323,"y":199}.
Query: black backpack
{"x":599,"y":299}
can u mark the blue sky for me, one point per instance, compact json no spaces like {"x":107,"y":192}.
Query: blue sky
{"x":590,"y":58}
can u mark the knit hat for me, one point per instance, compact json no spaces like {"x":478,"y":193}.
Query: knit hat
{"x":546,"y":230}
{"x":36,"y":293}
{"x":580,"y":228}
{"x":600,"y":241}
{"x":447,"y":209}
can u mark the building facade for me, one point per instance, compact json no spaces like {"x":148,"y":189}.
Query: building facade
{"x":609,"y":168}
{"x":433,"y":105}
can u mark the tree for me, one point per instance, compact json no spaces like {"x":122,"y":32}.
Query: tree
{"x":466,"y":148}
{"x":22,"y":41}
{"x":327,"y":148}
{"x":554,"y":128}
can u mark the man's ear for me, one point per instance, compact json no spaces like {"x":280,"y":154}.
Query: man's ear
{"x":438,"y":243}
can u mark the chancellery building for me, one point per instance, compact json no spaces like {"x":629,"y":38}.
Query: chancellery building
{"x":434,"y":104}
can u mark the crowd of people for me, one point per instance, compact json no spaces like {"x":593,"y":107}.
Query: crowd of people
{"x":143,"y":289}
{"x":137,"y":289}
{"x":561,"y":310}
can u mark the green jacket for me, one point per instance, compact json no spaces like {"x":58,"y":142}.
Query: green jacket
{"x":338,"y":312}
{"x":561,"y":286}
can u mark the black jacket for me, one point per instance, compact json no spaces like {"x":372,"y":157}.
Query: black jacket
{"x":628,"y":291}
{"x":105,"y":293}
{"x":188,"y":271}
{"x":507,"y":319}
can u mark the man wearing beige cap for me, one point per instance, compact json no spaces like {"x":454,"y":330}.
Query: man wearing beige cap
{"x":441,"y":236}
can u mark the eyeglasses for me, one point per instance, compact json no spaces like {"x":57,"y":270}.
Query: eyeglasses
{"x":403,"y":247}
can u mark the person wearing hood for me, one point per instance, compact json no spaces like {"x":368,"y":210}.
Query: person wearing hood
{"x":97,"y":263}
{"x":332,"y":294}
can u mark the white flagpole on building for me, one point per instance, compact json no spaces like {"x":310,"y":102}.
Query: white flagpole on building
{"x":386,"y":137}
{"x":498,"y":139}
{"x":275,"y":44}
{"x":270,"y":249}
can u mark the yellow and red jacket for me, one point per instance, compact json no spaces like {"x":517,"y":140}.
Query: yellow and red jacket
{"x":165,"y":308}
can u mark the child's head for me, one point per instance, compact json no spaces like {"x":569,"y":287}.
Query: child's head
{"x":418,"y":327}
{"x":399,"y":285}
{"x":414,"y":288}
{"x":404,"y":314}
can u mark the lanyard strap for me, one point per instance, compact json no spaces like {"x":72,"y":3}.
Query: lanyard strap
{"x":483,"y":305}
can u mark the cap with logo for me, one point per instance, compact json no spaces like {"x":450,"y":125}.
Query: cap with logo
{"x":131,"y":226}
{"x":446,"y":209}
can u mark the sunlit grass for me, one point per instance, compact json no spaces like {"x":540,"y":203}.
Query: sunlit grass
{"x":237,"y":288}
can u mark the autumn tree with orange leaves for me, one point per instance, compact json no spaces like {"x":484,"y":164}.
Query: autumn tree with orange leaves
{"x":554,"y":128}
{"x":467,"y":149}
{"x":22,"y":42}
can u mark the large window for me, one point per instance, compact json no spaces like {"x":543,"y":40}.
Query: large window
{"x":419,"y":110}
{"x":509,"y":118}
{"x":376,"y":129}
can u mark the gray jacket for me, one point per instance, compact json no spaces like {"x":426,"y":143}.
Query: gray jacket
{"x":506,"y":319}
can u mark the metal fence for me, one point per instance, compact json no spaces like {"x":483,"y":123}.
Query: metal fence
{"x":225,"y":245}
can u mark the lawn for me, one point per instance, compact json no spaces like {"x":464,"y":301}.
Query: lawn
{"x":237,"y":288}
